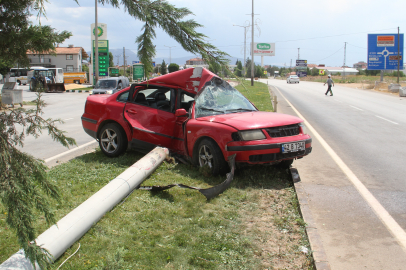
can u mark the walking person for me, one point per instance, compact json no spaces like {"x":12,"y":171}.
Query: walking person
{"x":329,"y":83}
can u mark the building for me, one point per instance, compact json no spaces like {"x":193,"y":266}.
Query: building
{"x":360,"y":65}
{"x":195,"y":62}
{"x":69,"y":58}
{"x":339,"y":70}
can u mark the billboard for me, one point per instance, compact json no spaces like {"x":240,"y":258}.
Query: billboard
{"x":138,"y":71}
{"x":383,"y":51}
{"x":102,"y":31}
{"x":265,"y":49}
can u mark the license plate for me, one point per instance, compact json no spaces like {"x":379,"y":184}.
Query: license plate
{"x":293,"y":147}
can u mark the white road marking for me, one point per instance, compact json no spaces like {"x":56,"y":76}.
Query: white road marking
{"x":386,"y":120}
{"x":67,"y":119}
{"x":356,"y":108}
{"x":69,"y":151}
{"x":379,"y":210}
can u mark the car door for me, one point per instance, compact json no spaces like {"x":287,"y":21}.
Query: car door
{"x":152,"y":125}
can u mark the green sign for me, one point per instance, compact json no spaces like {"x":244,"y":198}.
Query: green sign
{"x":103,"y":57}
{"x":263,"y":46}
{"x":138,"y":72}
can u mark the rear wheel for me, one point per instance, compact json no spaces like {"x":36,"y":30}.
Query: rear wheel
{"x":209,"y":154}
{"x":112,"y":140}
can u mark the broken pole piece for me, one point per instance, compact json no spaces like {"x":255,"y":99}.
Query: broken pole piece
{"x":59,"y":237}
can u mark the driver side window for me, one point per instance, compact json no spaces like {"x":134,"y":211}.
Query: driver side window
{"x":159,"y":98}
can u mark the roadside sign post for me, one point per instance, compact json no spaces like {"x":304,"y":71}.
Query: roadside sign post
{"x":103,"y":57}
{"x":138,"y":71}
{"x":301,"y":68}
{"x":385,"y":51}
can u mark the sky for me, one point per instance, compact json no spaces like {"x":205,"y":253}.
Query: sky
{"x":315,"y":31}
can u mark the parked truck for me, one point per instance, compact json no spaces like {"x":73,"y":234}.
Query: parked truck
{"x":44,"y":78}
{"x":75,"y":77}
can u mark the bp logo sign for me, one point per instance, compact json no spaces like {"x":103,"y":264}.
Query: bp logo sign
{"x":264,"y":49}
{"x":263,"y":46}
{"x":99,"y":32}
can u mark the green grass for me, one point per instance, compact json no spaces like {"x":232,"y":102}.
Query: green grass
{"x":257,"y":94}
{"x":254,"y":224}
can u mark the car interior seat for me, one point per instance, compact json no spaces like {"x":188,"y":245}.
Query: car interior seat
{"x":161,"y":102}
{"x":140,"y":99}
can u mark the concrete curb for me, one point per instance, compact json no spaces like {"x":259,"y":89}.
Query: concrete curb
{"x":316,"y":244}
{"x":77,"y":91}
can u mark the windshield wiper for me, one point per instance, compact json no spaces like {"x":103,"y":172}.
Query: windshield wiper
{"x":209,"y":109}
{"x":241,"y":109}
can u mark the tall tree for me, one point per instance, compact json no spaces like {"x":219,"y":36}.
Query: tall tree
{"x":239,"y":69}
{"x":25,"y":189}
{"x":173,"y":67}
{"x":111,"y":62}
{"x":163,"y":68}
{"x":18,"y":35}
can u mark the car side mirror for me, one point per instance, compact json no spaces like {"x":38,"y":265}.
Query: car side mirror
{"x":181,"y":113}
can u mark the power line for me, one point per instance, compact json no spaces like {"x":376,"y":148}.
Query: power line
{"x":333,"y":35}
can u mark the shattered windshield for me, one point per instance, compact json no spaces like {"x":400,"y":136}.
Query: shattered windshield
{"x":218,"y":97}
{"x":106,"y":84}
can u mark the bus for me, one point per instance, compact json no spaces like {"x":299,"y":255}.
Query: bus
{"x":18,"y":75}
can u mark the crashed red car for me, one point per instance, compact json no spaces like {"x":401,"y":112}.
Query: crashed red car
{"x":197,"y":115}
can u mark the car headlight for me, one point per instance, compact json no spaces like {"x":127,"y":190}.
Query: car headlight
{"x":109,"y":92}
{"x":303,"y":127}
{"x":252,"y":135}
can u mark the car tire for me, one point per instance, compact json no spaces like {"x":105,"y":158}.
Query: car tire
{"x":112,"y":140}
{"x":284,"y":164}
{"x":19,"y":82}
{"x":208,"y":153}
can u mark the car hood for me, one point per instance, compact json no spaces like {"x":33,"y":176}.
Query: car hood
{"x":252,"y":120}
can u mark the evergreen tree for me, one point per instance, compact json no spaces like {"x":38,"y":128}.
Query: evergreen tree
{"x":239,"y":69}
{"x":111,"y":62}
{"x":163,"y":68}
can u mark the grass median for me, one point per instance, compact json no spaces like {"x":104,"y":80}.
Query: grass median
{"x":255,"y":224}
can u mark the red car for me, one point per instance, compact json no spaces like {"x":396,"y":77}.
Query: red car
{"x":197,"y":115}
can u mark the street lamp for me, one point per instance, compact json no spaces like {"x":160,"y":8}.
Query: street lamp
{"x":245,"y":38}
{"x":170,"y":55}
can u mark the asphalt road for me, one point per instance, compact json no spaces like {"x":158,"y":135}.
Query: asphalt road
{"x":65,"y":106}
{"x":366,"y":129}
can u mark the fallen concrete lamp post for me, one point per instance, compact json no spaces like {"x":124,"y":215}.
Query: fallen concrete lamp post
{"x":58,"y":238}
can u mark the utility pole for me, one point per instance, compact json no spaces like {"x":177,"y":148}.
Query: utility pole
{"x":124,"y":59}
{"x":118,"y":59}
{"x":252,"y":46}
{"x":170,"y":54}
{"x":245,"y":38}
{"x":398,"y":55}
{"x":345,"y":50}
{"x":96,"y":46}
{"x":298,"y":53}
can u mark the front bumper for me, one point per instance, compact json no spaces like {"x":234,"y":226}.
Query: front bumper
{"x":265,"y":153}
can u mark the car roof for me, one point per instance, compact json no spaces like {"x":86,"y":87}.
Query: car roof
{"x":191,"y":79}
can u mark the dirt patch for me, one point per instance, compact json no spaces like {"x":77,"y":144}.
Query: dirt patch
{"x":280,"y":242}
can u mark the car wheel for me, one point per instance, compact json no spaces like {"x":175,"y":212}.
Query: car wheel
{"x":209,"y":154}
{"x":112,"y":140}
{"x":284,"y":164}
{"x":19,"y":82}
